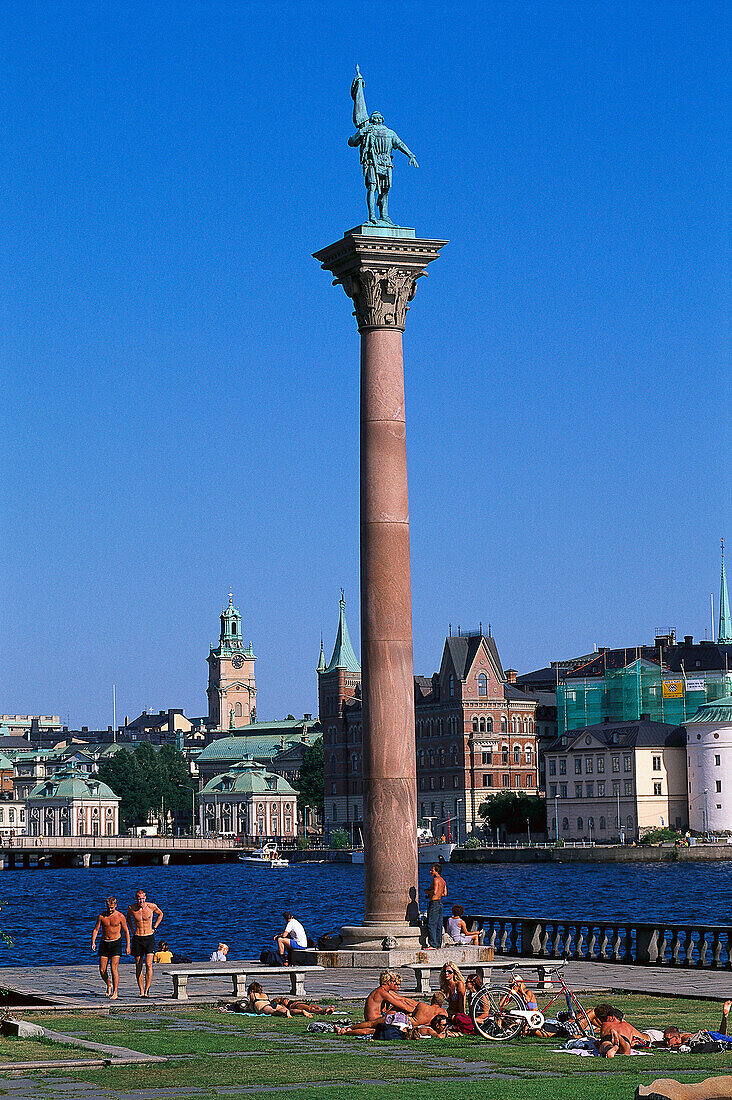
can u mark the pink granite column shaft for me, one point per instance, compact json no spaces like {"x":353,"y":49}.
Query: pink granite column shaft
{"x":390,"y":844}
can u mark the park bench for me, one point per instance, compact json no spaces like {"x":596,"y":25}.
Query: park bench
{"x":422,"y":971}
{"x":240,"y":973}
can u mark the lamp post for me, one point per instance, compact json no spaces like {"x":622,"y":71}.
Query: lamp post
{"x":556,"y":820}
{"x":706,"y":814}
{"x":458,"y":804}
{"x":528,"y":831}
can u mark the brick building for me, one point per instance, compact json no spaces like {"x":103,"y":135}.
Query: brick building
{"x":474,"y":733}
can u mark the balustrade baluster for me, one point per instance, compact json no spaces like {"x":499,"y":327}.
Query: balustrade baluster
{"x":616,"y":944}
{"x":579,"y":943}
{"x":604,"y":943}
{"x":689,"y":953}
{"x":567,"y":952}
{"x":504,"y":937}
{"x":662,"y":960}
{"x":557,"y":943}
{"x":702,"y":948}
{"x":592,"y":932}
{"x":716,"y":949}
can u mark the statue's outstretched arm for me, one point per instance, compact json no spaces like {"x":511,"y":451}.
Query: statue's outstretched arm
{"x":356,"y":139}
{"x":399,"y":144}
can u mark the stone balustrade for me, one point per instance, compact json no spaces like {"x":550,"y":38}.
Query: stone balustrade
{"x":640,"y":943}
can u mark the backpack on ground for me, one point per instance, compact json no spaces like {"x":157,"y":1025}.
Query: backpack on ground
{"x":270,"y":957}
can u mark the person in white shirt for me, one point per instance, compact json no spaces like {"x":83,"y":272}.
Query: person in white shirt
{"x":292,"y":937}
{"x":219,"y":955}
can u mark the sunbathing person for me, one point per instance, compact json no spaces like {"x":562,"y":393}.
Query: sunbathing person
{"x":427,"y":1013}
{"x":673,"y":1038}
{"x":617,"y":1036}
{"x":299,"y":1007}
{"x":439,"y":1029}
{"x":386,"y":996}
{"x":258,"y":1001}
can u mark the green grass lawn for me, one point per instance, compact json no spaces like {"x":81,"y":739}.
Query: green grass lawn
{"x":271,"y":1052}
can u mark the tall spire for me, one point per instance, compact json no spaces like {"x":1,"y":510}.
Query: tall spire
{"x":343,"y":655}
{"x":321,"y":659}
{"x":724,"y":634}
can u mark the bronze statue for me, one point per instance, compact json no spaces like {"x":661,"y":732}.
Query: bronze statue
{"x":376,"y":142}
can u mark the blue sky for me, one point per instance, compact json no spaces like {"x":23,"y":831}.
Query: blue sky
{"x":180,"y":377}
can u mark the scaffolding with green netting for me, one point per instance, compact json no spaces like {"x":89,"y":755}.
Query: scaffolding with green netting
{"x":642,"y":687}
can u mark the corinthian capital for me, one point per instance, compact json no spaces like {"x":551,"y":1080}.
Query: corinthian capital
{"x":379,"y":274}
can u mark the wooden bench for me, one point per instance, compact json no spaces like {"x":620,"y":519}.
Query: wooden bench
{"x":240,"y":973}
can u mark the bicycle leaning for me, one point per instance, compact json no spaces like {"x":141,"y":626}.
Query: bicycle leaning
{"x":500,"y":1013}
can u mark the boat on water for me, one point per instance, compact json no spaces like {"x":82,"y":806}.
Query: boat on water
{"x":429,"y":850}
{"x":267,"y":856}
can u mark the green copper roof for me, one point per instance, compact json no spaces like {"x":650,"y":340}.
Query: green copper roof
{"x":716,"y":710}
{"x":724,"y":634}
{"x":321,"y":658}
{"x":246,"y":777}
{"x":343,"y":655}
{"x":71,"y":784}
{"x":264,"y":741}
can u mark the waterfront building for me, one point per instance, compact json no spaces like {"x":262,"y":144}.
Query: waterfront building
{"x":616,"y":780}
{"x":250,"y":802}
{"x":232,"y":693}
{"x":71,"y":803}
{"x":12,"y":816}
{"x":474,"y":733}
{"x":30,"y":726}
{"x":263,"y":742}
{"x":709,"y":765}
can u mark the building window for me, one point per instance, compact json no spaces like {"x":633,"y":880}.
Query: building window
{"x":482,"y":684}
{"x":529,"y":781}
{"x":489,"y":724}
{"x":562,"y":790}
{"x":565,"y":824}
{"x":237,"y":710}
{"x":562,"y":766}
{"x":590,"y":789}
{"x":451,"y":686}
{"x":504,"y":724}
{"x":432,"y":782}
{"x":578,"y":790}
{"x":579,"y":824}
{"x":601,"y":788}
{"x":517,"y":754}
{"x":601,"y":765}
{"x":656,"y":788}
{"x":481,"y":725}
{"x":588,"y":765}
{"x":487,"y":780}
{"x":656,"y":763}
{"x":552,"y":767}
{"x":717,"y":761}
{"x":616,"y":786}
{"x":602,"y":825}
{"x":616,"y":763}
{"x":507,"y":781}
{"x":455,"y":781}
{"x":421,"y":783}
{"x":529,"y":754}
{"x":475,"y":725}
{"x":442,"y":782}
{"x":629,"y":787}
{"x":717,"y":787}
{"x":578,"y":765}
{"x":504,"y":756}
{"x":552,"y":790}
{"x":517,"y":780}
{"x":627,"y":765}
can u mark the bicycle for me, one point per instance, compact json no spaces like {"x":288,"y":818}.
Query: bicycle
{"x":499,"y":1013}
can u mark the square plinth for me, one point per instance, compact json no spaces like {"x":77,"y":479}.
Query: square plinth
{"x":369,"y":230}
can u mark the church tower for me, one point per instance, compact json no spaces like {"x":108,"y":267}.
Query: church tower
{"x":231,"y":691}
{"x":724,"y":634}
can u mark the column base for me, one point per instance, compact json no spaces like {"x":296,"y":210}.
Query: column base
{"x":371,"y":936}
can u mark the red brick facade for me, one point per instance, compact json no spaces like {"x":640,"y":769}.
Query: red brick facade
{"x":474,"y":737}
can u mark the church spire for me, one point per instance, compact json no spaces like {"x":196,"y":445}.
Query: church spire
{"x":724,"y":634}
{"x":343,"y":655}
{"x":321,"y":658}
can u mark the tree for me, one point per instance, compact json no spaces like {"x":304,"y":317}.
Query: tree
{"x":310,"y":785}
{"x":511,"y":811}
{"x":147,"y":780}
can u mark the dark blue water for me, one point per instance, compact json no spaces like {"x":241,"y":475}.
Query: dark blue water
{"x":50,"y":913}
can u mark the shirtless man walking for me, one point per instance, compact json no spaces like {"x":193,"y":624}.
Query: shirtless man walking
{"x":112,"y":924}
{"x":436,"y":891}
{"x":140,"y":916}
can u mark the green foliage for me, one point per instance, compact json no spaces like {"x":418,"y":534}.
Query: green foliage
{"x":302,"y":843}
{"x":339,"y":839}
{"x":310,"y":785}
{"x":659,"y":836}
{"x":146,"y":779}
{"x":511,"y":811}
{"x":472,"y":842}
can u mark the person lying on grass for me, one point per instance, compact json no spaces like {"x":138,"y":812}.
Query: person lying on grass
{"x":386,"y":996}
{"x":673,"y":1039}
{"x":258,"y":1001}
{"x":617,"y":1036}
{"x":439,"y":1029}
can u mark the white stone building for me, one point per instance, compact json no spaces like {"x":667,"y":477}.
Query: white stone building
{"x":72,"y":804}
{"x":709,"y":766}
{"x":250,"y":802}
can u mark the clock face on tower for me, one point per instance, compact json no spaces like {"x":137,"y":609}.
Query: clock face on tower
{"x":237,"y":661}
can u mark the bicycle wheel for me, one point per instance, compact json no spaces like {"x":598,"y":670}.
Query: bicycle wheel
{"x":491,"y":1013}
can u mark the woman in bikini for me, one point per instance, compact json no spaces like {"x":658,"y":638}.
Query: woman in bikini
{"x":259,"y":1002}
{"x":453,"y":985}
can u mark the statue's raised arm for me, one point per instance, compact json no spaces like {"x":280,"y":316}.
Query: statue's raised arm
{"x":376,"y":143}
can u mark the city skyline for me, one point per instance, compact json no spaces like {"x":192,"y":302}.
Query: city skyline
{"x":179,"y":421}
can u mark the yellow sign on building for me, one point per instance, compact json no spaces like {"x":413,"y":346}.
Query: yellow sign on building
{"x":673,"y":689}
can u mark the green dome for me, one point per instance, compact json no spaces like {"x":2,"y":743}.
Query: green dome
{"x":72,"y":784}
{"x":248,"y":778}
{"x":716,"y":710}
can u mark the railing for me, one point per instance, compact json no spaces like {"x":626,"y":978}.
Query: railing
{"x":116,"y":843}
{"x":646,"y":943}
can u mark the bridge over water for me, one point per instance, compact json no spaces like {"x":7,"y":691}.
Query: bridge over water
{"x":87,"y":851}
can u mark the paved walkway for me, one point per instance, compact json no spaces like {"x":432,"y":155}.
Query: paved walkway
{"x":76,"y":987}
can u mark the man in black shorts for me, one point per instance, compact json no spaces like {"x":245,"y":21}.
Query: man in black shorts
{"x":141,"y":916}
{"x":112,"y":924}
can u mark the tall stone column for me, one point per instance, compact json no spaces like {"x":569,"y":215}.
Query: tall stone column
{"x":378,"y":266}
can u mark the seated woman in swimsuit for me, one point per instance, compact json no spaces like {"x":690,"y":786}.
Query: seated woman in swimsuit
{"x":458,"y":929}
{"x":258,"y":1001}
{"x":303,"y":1008}
{"x":453,"y":985}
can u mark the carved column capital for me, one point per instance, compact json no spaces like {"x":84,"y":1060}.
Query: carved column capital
{"x":379,"y":274}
